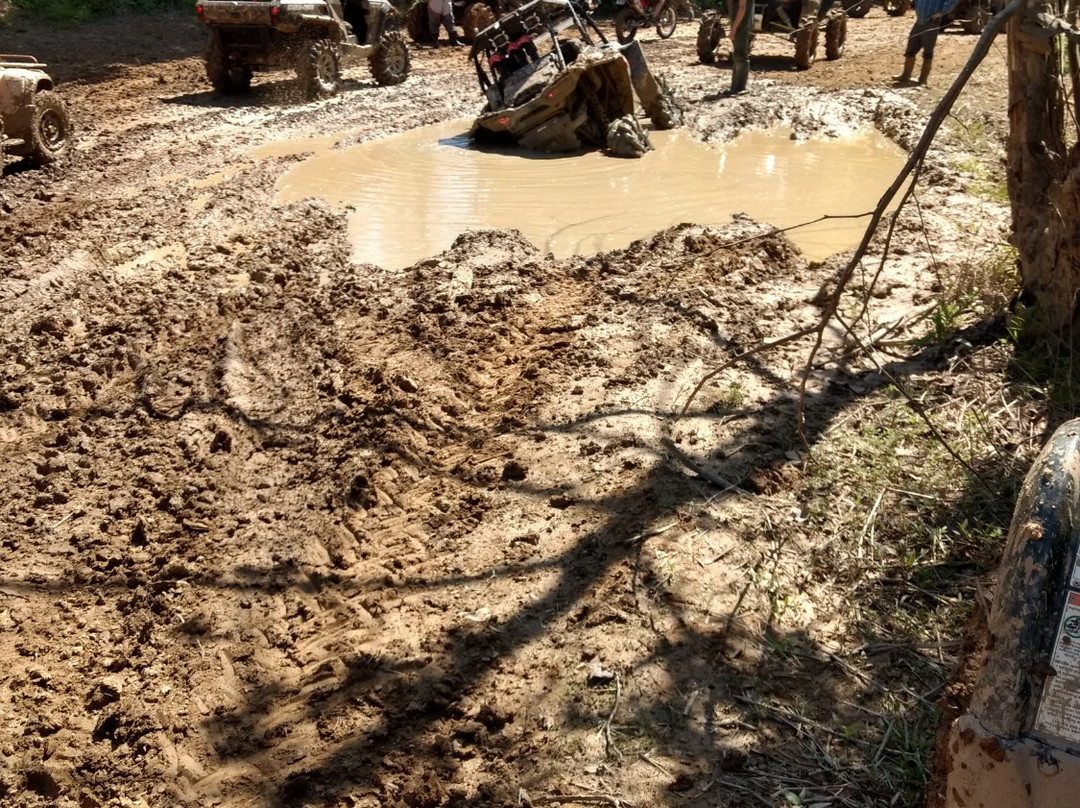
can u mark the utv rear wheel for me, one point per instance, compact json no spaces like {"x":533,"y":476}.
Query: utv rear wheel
{"x":896,"y":8}
{"x":319,"y":68}
{"x":806,"y":42}
{"x":51,"y":130}
{"x":476,"y":19}
{"x":710,"y":32}
{"x":416,"y":22}
{"x":224,"y":76}
{"x":860,"y":9}
{"x":835,"y":37}
{"x":390,"y":62}
{"x":665,"y":26}
{"x":626,"y":20}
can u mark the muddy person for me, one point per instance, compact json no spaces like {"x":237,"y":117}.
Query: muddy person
{"x":441,"y":13}
{"x":742,"y":29}
{"x":923,"y":37}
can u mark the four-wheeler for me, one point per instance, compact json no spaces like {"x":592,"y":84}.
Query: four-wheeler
{"x":800,"y":21}
{"x":33,"y":119}
{"x":554,"y":83}
{"x":314,"y":38}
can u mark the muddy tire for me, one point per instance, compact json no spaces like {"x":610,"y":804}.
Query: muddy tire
{"x":710,"y":32}
{"x":226,"y":78}
{"x":318,"y":66}
{"x":896,"y":8}
{"x":390,"y":62}
{"x":625,"y":137}
{"x":50,"y":131}
{"x":835,"y":37}
{"x":665,"y":113}
{"x":476,"y":19}
{"x":626,"y":25}
{"x":860,"y":9}
{"x":416,"y":22}
{"x":977,"y":16}
{"x":665,"y":26}
{"x":806,"y":43}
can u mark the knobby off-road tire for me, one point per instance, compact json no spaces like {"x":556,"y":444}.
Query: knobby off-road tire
{"x":665,"y":113}
{"x":835,"y":37}
{"x":710,"y":32}
{"x":318,"y":66}
{"x":896,"y":8}
{"x":625,"y":137}
{"x":626,"y":20}
{"x":416,"y":22}
{"x":478,"y":17}
{"x":390,"y":62}
{"x":860,"y":9}
{"x":225,"y":77}
{"x":50,"y":133}
{"x":665,"y":25}
{"x":806,"y":43}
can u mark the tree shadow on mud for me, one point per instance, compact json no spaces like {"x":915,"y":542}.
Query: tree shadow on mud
{"x":416,"y":722}
{"x":265,"y":92}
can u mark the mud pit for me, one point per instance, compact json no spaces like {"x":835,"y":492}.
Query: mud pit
{"x":584,"y":204}
{"x":281,"y":530}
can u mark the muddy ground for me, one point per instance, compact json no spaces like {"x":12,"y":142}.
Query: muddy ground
{"x":280,"y":529}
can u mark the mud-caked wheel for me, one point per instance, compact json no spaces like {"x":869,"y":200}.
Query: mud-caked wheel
{"x":390,"y":62}
{"x":860,"y":9}
{"x":664,"y":111}
{"x":806,"y":44}
{"x":835,"y":37}
{"x":665,"y":24}
{"x":896,"y":8}
{"x":318,"y":66}
{"x":224,"y":76}
{"x":416,"y":22}
{"x":710,"y":33}
{"x":626,"y":137}
{"x":477,"y":17}
{"x":626,"y":24}
{"x":50,"y":133}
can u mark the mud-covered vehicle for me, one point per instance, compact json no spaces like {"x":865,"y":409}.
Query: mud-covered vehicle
{"x":554,"y":83}
{"x":33,"y":118}
{"x":315,"y":38}
{"x":472,"y":16}
{"x":803,"y":22}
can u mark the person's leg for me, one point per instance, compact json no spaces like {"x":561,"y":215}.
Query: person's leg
{"x":740,"y":55}
{"x":929,"y":40}
{"x":448,"y":24}
{"x":914,"y":45}
{"x":433,"y":18}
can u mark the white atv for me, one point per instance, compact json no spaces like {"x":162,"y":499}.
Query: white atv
{"x":33,"y":119}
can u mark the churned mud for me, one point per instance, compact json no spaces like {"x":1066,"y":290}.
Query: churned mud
{"x":282,"y":526}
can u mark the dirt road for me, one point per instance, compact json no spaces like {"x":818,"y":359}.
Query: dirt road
{"x":282,"y":529}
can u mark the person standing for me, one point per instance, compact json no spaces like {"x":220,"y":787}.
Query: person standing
{"x":742,"y":31}
{"x":441,"y":13}
{"x":929,"y":16}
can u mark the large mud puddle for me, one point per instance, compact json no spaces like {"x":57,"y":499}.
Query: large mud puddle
{"x":413,"y":194}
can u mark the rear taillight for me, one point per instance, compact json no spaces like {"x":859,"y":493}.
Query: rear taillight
{"x":199,"y":11}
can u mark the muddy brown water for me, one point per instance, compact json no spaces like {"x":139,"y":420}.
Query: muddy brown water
{"x":412,"y":194}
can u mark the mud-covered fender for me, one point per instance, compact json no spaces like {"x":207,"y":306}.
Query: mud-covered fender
{"x":17,"y":88}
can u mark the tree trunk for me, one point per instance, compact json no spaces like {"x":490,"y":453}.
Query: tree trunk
{"x":1044,"y":168}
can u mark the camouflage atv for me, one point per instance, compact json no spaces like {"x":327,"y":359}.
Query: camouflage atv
{"x":33,"y":119}
{"x":554,"y":83}
{"x":314,"y":38}
{"x":800,"y":21}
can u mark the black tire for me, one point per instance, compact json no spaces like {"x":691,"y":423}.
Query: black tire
{"x":477,"y":17}
{"x":806,"y":42}
{"x":226,"y":77}
{"x":665,"y":24}
{"x":416,"y":22}
{"x":318,"y":66}
{"x":860,"y":9}
{"x":50,"y":132}
{"x":710,"y":32}
{"x":626,"y":25}
{"x":390,"y":62}
{"x":835,"y":37}
{"x":896,"y":8}
{"x":977,"y":16}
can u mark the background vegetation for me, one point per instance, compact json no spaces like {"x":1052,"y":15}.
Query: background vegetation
{"x":76,"y":11}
